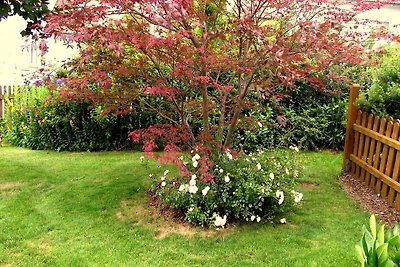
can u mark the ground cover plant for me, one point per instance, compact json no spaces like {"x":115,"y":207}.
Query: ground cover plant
{"x":91,"y":209}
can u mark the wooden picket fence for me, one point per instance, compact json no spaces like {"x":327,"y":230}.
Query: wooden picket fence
{"x":6,"y":91}
{"x":372,"y":151}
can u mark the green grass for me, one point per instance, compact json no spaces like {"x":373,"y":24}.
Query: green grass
{"x":78,"y":209}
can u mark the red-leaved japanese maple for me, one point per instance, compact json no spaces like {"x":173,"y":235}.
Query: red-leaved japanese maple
{"x":204,"y":62}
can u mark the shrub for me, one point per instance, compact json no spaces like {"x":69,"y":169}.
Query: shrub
{"x":383,"y":97}
{"x":379,"y":247}
{"x":35,"y":121}
{"x":316,"y":126}
{"x":256,"y":187}
{"x":76,"y":126}
{"x":313,"y":119}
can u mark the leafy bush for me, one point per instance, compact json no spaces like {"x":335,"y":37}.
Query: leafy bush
{"x":316,"y":126}
{"x":383,"y":97}
{"x":258,"y":187}
{"x":379,"y":247}
{"x":36,"y":122}
{"x":313,"y":119}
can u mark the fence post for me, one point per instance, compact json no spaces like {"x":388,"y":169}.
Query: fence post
{"x":351,"y":119}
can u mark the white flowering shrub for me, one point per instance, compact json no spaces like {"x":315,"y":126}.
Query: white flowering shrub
{"x":256,"y":188}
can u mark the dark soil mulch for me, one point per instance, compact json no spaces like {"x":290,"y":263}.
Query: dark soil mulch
{"x":164,"y":211}
{"x":369,"y":200}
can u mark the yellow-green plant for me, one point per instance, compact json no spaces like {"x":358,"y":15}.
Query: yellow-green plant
{"x":378,"y":247}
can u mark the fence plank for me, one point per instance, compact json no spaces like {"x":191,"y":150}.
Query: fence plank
{"x":384,"y":156}
{"x":378,"y":150}
{"x":392,"y":196}
{"x":367,"y":142}
{"x":371,"y":152}
{"x":390,"y":161}
{"x":1,"y":102}
{"x":361,"y":144}
{"x":9,"y":90}
{"x":356,"y":142}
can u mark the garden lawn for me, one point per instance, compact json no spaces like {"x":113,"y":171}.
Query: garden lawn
{"x":79,"y":209}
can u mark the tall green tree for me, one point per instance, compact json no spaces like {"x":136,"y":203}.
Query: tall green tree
{"x":32,"y":11}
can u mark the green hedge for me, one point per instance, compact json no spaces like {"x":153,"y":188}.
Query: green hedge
{"x":31,"y":121}
{"x":313,"y":119}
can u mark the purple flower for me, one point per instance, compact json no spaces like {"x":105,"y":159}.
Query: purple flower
{"x":59,"y":81}
{"x":38,"y":83}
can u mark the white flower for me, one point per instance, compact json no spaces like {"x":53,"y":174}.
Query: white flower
{"x":205,"y":190}
{"x":195,"y":163}
{"x":279,"y":194}
{"x":283,"y":220}
{"x":141,"y":158}
{"x":227,"y":179}
{"x":258,"y":219}
{"x":166,"y":172}
{"x":295,"y":148}
{"x":181,"y":158}
{"x":194,"y":176}
{"x":297,"y":196}
{"x":181,"y":188}
{"x":252,"y":217}
{"x":219,"y":221}
{"x":259,"y":124}
{"x":192,"y":182}
{"x":162,"y":178}
{"x":258,"y":166}
{"x":296,"y":174}
{"x":193,"y":189}
{"x":229,"y":155}
{"x":271,"y":176}
{"x":287,"y":171}
{"x":150,"y":175}
{"x":163,"y":184}
{"x":196,"y":157}
{"x":190,"y":209}
{"x":221,"y":170}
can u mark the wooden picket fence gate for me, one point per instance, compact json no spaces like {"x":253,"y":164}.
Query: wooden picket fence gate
{"x":372,"y":151}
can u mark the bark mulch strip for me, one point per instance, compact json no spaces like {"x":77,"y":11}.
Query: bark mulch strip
{"x":369,"y":200}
